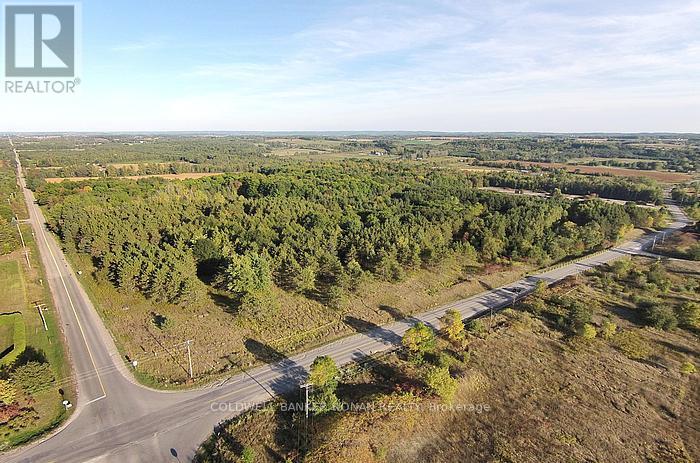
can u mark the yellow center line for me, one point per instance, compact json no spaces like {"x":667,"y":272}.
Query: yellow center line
{"x":70,"y":300}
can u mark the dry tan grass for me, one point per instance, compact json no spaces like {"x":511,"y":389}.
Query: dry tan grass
{"x":664,"y":177}
{"x":190,"y":175}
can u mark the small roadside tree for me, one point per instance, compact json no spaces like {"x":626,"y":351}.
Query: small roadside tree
{"x":453,"y":325}
{"x":419,"y":339}
{"x":324,"y":379}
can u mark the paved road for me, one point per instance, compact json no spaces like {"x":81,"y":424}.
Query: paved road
{"x":119,"y":421}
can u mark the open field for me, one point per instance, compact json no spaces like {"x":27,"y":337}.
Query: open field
{"x":512,"y":191}
{"x":184,"y":176}
{"x":663,"y":177}
{"x":12,"y":335}
{"x":12,"y":294}
{"x":528,"y":390}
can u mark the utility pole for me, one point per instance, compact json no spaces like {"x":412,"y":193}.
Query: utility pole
{"x":21,"y":237}
{"x":189,"y":356}
{"x":306,"y":388}
{"x":306,"y":404}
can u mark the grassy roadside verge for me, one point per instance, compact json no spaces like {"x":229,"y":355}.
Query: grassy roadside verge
{"x":35,"y":376}
{"x":44,"y":410}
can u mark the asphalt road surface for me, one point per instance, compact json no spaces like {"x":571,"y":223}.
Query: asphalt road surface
{"x":116,"y":420}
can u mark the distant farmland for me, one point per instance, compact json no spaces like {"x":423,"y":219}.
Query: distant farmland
{"x":661,"y":176}
{"x":185,"y":176}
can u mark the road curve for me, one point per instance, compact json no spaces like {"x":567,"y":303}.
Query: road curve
{"x":117,"y":420}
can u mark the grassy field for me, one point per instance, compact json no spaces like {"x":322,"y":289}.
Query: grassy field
{"x":13,"y":338}
{"x":529,"y":390}
{"x":12,"y":291}
{"x":660,"y":176}
{"x":184,"y":176}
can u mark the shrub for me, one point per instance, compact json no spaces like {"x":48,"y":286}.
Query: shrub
{"x":324,"y":378}
{"x":608,"y":330}
{"x":579,"y":315}
{"x":694,"y":251}
{"x":540,"y":288}
{"x":657,"y":274}
{"x":33,"y":377}
{"x":440,"y":382}
{"x":324,"y":372}
{"x":621,"y":267}
{"x":632,"y":345}
{"x":247,"y":455}
{"x":689,"y":315}
{"x":688,"y":368}
{"x":588,"y":331}
{"x":7,"y":392}
{"x":476,"y":327}
{"x":660,"y":316}
{"x":536,"y":305}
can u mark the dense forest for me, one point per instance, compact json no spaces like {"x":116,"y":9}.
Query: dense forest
{"x":317,"y":229}
{"x":627,"y":189}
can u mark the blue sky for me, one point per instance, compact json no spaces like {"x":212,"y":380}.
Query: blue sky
{"x":447,"y":65}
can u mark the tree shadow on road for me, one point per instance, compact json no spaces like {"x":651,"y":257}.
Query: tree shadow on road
{"x":291,"y":374}
{"x":372,"y":330}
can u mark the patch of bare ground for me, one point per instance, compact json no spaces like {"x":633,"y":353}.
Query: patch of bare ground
{"x":185,"y":176}
{"x":679,"y":244}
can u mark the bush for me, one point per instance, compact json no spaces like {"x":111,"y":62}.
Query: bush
{"x":689,"y":315}
{"x":7,"y":392}
{"x":608,"y":330}
{"x":588,"y":331}
{"x":453,"y":325}
{"x":476,"y":327}
{"x":632,"y":345}
{"x":33,"y":377}
{"x":324,"y":378}
{"x":694,"y":251}
{"x":660,"y":316}
{"x":579,"y":315}
{"x":621,"y":267}
{"x":536,"y":305}
{"x":247,"y":455}
{"x":688,"y":368}
{"x":440,"y":382}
